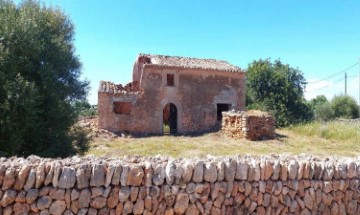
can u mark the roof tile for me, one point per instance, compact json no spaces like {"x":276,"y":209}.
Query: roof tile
{"x":193,"y":63}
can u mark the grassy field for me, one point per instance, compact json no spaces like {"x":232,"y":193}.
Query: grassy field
{"x":335,"y":138}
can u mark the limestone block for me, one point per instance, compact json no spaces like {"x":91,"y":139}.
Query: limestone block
{"x":293,"y":169}
{"x":44,"y":202}
{"x":276,"y":170}
{"x":124,"y":175}
{"x":40,"y":175}
{"x":22,"y":177}
{"x":170,"y":172}
{"x":109,"y":175}
{"x":230,"y":170}
{"x":113,"y":198}
{"x":128,"y":207}
{"x":84,"y":198}
{"x":135,"y":176}
{"x":83,"y":174}
{"x":57,"y":207}
{"x":57,"y":194}
{"x":139,"y":206}
{"x":8,"y":197}
{"x":57,"y":171}
{"x":124,"y":194}
{"x":116,"y":177}
{"x":182,"y":202}
{"x":254,"y":171}
{"x":198,"y":172}
{"x":159,"y":175}
{"x":74,"y":194}
{"x":97,"y":175}
{"x":67,"y":178}
{"x":97,"y":191}
{"x":210,"y":172}
{"x":148,"y":174}
{"x":9,"y":178}
{"x":21,"y":208}
{"x":134,"y":191}
{"x":98,"y":202}
{"x":220,"y":170}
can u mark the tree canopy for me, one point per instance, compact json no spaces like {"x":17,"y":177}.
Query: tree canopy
{"x":345,"y":107}
{"x":39,"y":81}
{"x":279,"y":89}
{"x":318,"y":100}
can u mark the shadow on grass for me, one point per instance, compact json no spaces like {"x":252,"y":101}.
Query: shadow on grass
{"x":280,"y":137}
{"x":215,"y":129}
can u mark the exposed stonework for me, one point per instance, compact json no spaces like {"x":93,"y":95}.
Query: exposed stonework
{"x":189,"y":94}
{"x":217,"y":185}
{"x":252,"y":125}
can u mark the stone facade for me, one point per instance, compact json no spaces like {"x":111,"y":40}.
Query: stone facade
{"x":252,"y":125}
{"x":218,"y":185}
{"x":196,"y":89}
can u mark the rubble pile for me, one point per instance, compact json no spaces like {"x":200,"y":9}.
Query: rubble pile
{"x":252,"y":125}
{"x":118,"y":89}
{"x":159,"y":185}
{"x":91,"y":125}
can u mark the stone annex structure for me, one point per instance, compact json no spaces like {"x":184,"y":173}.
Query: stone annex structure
{"x":159,"y":185}
{"x":252,"y":125}
{"x":187,"y":94}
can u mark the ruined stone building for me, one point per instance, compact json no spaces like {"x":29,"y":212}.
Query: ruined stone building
{"x":186,"y":94}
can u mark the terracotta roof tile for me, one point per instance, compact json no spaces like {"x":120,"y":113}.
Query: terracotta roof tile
{"x":187,"y":62}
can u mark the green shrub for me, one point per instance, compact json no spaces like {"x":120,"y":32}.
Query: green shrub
{"x":277,"y":88}
{"x":345,"y":107}
{"x":324,"y":111}
{"x":80,"y":139}
{"x":83,"y":108}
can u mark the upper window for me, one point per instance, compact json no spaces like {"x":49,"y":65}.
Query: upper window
{"x":170,"y":80}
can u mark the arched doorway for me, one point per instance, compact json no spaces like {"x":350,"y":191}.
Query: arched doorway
{"x":170,"y":119}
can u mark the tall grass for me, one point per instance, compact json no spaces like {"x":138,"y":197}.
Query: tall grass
{"x":335,"y":130}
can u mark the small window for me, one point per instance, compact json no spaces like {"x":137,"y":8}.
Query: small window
{"x":122,"y":107}
{"x":170,"y":80}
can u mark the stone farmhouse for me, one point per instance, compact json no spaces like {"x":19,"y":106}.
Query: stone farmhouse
{"x":185,"y":94}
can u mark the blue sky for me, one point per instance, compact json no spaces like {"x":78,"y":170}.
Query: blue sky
{"x":320,"y":38}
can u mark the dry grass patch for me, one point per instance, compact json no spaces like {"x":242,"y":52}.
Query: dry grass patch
{"x":183,"y":146}
{"x":334,"y":138}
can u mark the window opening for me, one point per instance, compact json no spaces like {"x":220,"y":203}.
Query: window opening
{"x":122,"y":107}
{"x":170,"y":80}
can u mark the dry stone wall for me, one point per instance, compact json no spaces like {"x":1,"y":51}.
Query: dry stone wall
{"x":252,"y":125}
{"x":135,"y":185}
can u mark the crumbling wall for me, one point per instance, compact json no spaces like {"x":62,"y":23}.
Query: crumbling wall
{"x":252,"y":125}
{"x":138,"y":117}
{"x":223,"y":185}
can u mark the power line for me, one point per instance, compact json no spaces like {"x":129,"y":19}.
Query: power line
{"x":331,"y":84}
{"x":331,"y":76}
